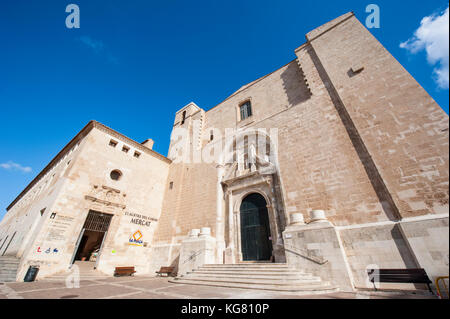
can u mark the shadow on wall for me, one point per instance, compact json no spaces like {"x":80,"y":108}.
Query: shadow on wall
{"x":294,"y":84}
{"x":403,"y":249}
{"x":383,"y":246}
{"x":175,"y":263}
{"x":405,"y":253}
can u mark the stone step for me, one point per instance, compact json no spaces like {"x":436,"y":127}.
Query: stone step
{"x":13,"y":274}
{"x":233,"y":269}
{"x":263,"y":276}
{"x":8,"y":271}
{"x":253,"y":274}
{"x":8,"y":258}
{"x":259,"y":281}
{"x":8,"y":280}
{"x":8,"y":268}
{"x":7,"y":263}
{"x":307,"y":289}
{"x":249,"y":265}
{"x":252,"y":266}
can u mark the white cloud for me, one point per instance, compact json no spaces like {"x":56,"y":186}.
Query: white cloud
{"x":432,"y":36}
{"x":99,"y":48}
{"x":11,"y":166}
{"x":95,"y":45}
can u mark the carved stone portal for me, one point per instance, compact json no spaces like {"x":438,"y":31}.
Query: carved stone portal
{"x":252,"y":173}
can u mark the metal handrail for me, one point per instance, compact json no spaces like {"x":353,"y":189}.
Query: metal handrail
{"x":305,"y":254}
{"x":439,"y":288}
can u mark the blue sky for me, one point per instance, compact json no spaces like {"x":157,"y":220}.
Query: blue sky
{"x":132,"y":64}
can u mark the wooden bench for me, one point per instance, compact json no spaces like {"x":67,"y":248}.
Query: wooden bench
{"x":165,"y":270}
{"x":412,"y":276}
{"x":124,"y":271}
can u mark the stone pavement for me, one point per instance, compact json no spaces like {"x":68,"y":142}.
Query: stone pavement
{"x":160,"y":288}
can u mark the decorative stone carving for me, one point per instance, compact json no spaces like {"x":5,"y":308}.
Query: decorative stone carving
{"x":256,"y":164}
{"x":107,"y":196}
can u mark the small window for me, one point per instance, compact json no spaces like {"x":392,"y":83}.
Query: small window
{"x":125,"y":149}
{"x":43,"y":211}
{"x":211,"y":135}
{"x":115,"y":175}
{"x":245,"y":110}
{"x":137,"y":154}
{"x":170,"y":185}
{"x":183,"y":117}
{"x":112,"y":143}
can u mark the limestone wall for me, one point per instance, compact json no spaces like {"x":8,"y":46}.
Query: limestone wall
{"x":88,"y":186}
{"x":379,"y":246}
{"x":428,"y":240}
{"x":403,"y":129}
{"x":316,"y":249}
{"x":25,"y":218}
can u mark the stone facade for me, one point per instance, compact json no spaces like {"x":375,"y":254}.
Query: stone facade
{"x":348,"y":132}
{"x":77,"y":181}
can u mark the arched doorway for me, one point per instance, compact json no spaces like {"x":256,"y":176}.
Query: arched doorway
{"x":255,"y":230}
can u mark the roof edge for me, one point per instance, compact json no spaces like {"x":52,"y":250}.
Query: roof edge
{"x":317,"y":32}
{"x":79,"y":136}
{"x":250,"y":84}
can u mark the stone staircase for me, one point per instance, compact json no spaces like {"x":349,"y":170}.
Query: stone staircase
{"x":8,"y":268}
{"x":86,"y":271}
{"x":267,"y":276}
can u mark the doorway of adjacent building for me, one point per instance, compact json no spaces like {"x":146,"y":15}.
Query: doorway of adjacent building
{"x":256,"y":243}
{"x":92,"y":236}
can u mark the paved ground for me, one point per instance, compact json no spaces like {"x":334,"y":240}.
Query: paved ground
{"x":160,"y":288}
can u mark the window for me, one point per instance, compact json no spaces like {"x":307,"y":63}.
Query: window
{"x":125,"y":149}
{"x":137,"y":154}
{"x":211,"y":135}
{"x":115,"y":175}
{"x":183,"y":118}
{"x":245,"y":110}
{"x":170,"y":185}
{"x":112,"y":143}
{"x":43,"y":211}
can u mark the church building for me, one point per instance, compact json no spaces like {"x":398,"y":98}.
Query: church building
{"x":333,"y":164}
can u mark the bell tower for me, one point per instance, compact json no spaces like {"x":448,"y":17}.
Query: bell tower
{"x":189,"y":119}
